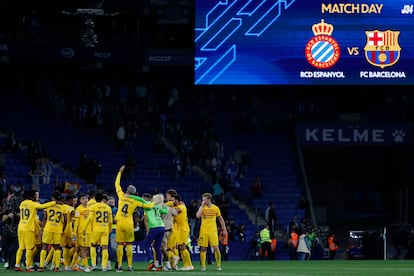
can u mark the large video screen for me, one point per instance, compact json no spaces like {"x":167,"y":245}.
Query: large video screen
{"x":302,"y":42}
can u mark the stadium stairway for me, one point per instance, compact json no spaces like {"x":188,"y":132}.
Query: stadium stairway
{"x":31,"y":124}
{"x":272,"y":158}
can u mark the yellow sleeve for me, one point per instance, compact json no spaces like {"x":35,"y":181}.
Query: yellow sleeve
{"x":118,"y":187}
{"x":46,"y":205}
{"x":75,"y":224}
{"x":89,"y":219}
{"x":148,"y":205}
{"x":111,"y":221}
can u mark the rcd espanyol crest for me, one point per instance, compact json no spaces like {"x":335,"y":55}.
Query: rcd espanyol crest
{"x":382,"y":48}
{"x":322,"y":51}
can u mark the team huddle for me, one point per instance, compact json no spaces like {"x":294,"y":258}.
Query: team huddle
{"x":71,"y":235}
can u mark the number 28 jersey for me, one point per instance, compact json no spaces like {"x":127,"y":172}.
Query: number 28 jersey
{"x":100,"y":216}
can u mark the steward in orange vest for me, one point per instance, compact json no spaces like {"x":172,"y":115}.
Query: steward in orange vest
{"x":223,"y":242}
{"x":293,"y":244}
{"x":332,"y":246}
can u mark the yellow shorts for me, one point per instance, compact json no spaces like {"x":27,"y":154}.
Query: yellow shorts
{"x":124,"y":233}
{"x":51,"y":238}
{"x":182,"y":237}
{"x":83,"y":240}
{"x":206,"y":239}
{"x":99,"y":238}
{"x":26,"y":239}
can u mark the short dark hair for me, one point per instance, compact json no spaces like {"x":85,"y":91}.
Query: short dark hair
{"x":83,"y":195}
{"x":177,"y":197}
{"x":99,"y":196}
{"x":57,"y":195}
{"x":92,"y":193}
{"x":30,"y":194}
{"x":147,"y":196}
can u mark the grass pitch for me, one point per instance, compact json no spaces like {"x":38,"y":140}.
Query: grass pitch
{"x":270,"y":268}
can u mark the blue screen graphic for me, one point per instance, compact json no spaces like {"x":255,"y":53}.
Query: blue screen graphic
{"x":301,"y":42}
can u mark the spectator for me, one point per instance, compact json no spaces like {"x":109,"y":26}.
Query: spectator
{"x":33,"y":155}
{"x":237,"y":158}
{"x":313,"y":240}
{"x":47,"y":169}
{"x":82,"y":116}
{"x":178,"y":165}
{"x":236,"y":188}
{"x":36,"y":175}
{"x":271,"y":218}
{"x":4,"y":186}
{"x":94,"y":168}
{"x":2,"y":160}
{"x":224,"y":205}
{"x":304,"y":205}
{"x":231,"y":170}
{"x":215,"y":168}
{"x":304,"y":224}
{"x":120,"y":137}
{"x":123,"y":95}
{"x":10,"y":220}
{"x":245,"y":161}
{"x":223,"y":244}
{"x":293,"y":244}
{"x":232,"y":229}
{"x":12,"y":143}
{"x":303,"y":250}
{"x":255,"y":246}
{"x":293,"y":223}
{"x":241,"y":232}
{"x":83,"y":166}
{"x":257,"y":187}
{"x":332,"y":246}
{"x":192,"y":219}
{"x":131,"y":132}
{"x":217,"y":191}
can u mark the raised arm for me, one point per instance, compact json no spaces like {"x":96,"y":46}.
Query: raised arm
{"x":200,"y":210}
{"x":118,"y":187}
{"x":164,"y":209}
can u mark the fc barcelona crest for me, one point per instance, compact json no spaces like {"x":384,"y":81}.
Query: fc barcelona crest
{"x":382,"y":48}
